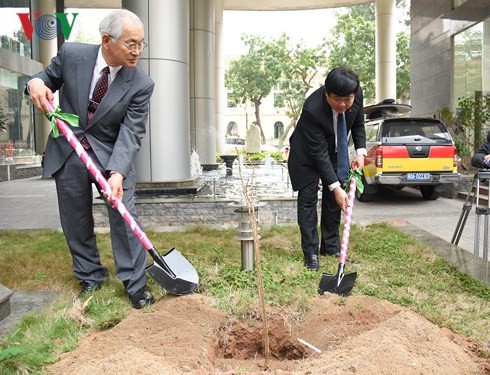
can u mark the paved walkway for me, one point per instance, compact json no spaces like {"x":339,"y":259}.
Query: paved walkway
{"x":31,"y":204}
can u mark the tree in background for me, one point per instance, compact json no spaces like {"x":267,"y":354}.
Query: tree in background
{"x":467,"y":124}
{"x":252,"y":76}
{"x":300,"y":66}
{"x":352,"y":45}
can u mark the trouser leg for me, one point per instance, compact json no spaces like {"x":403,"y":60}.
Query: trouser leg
{"x":129,"y":253}
{"x":308,"y":218}
{"x":329,"y":224}
{"x":74,"y":191}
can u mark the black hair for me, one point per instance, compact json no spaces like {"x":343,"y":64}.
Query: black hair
{"x":342,"y":82}
{"x":488,"y":137}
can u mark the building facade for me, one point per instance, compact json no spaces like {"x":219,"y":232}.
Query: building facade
{"x":449,"y":54}
{"x":189,"y":109}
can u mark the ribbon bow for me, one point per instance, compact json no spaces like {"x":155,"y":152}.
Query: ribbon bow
{"x":70,"y":118}
{"x":356,"y":174}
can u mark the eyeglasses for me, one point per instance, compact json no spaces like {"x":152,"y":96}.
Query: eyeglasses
{"x":132,"y":46}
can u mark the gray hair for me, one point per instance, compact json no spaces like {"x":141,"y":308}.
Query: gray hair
{"x":115,"y":21}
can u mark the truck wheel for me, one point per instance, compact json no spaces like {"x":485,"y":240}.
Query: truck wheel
{"x":429,"y":192}
{"x":364,"y":197}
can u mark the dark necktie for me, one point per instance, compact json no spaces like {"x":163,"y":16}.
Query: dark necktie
{"x":99,"y":91}
{"x":342,"y":149}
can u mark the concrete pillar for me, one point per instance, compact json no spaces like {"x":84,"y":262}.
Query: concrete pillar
{"x":220,"y":78}
{"x":385,"y":50}
{"x":165,"y":153}
{"x":43,"y":50}
{"x":486,"y":57}
{"x":202,"y":79}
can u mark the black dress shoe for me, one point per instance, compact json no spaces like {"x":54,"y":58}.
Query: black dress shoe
{"x":141,"y":298}
{"x":311,"y":262}
{"x":88,"y":287}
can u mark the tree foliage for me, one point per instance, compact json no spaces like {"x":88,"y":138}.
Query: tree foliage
{"x":274,"y":62}
{"x":352,"y":44}
{"x":252,"y":76}
{"x":300,"y":67}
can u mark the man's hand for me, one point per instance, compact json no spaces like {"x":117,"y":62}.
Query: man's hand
{"x":116,"y":185}
{"x":341,"y":198}
{"x":359,"y":161}
{"x":39,"y":93}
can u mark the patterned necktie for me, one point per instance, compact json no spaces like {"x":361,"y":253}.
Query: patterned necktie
{"x":99,"y":91}
{"x":342,"y":149}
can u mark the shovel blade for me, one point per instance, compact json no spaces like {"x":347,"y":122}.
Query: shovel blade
{"x":338,"y":284}
{"x":177,"y":277}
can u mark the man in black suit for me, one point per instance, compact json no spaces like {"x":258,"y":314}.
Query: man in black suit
{"x":111,"y":127}
{"x":313,"y":157}
{"x":481,"y":158}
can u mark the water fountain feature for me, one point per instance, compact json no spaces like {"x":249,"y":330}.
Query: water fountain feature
{"x":196,"y":169}
{"x":266,"y":181}
{"x":229,"y":159}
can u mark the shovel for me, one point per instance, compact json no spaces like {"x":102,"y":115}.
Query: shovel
{"x":173,"y":272}
{"x":341,"y":283}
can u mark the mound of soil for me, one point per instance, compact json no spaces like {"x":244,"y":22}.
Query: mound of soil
{"x":357,"y":334}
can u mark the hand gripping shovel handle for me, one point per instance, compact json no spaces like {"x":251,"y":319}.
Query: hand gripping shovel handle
{"x":340,"y":283}
{"x":347,"y":222}
{"x":166,"y":279}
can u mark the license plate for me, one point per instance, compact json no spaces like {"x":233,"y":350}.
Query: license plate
{"x":418,"y":176}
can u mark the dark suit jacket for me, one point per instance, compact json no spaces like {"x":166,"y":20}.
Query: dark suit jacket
{"x":477,"y":159}
{"x":312,"y":153}
{"x":117,"y":127}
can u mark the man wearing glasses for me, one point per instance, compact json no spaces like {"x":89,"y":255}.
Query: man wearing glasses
{"x":110,"y":94}
{"x":329,"y":114}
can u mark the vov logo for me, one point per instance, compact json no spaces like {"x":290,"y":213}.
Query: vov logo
{"x":47,"y":26}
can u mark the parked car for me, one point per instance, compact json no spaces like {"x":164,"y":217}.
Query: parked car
{"x":406,"y":151}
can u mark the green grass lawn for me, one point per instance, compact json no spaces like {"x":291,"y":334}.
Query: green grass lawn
{"x":390,"y":265}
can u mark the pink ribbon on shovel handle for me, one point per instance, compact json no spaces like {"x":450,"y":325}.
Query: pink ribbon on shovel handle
{"x":348,"y":220}
{"x":100,"y":179}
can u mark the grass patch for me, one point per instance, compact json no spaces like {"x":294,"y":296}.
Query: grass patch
{"x":390,"y":265}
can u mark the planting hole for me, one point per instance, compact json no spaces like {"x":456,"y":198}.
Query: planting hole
{"x":243,"y":339}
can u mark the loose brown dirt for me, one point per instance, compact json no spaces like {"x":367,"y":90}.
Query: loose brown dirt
{"x":356,"y":335}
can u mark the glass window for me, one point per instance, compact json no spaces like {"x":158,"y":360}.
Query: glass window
{"x":16,"y":126}
{"x":278,"y":100}
{"x":278,"y":129}
{"x":468,"y":63}
{"x":12,"y":35}
{"x":231,"y":101}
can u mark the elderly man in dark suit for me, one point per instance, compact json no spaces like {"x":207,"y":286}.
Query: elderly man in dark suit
{"x":102,"y":85}
{"x":314,"y":156}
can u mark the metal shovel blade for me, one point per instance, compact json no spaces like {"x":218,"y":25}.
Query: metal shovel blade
{"x":339,"y":284}
{"x":174,"y":273}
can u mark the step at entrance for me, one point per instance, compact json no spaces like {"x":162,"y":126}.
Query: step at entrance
{"x":5,"y":294}
{"x":483,"y":197}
